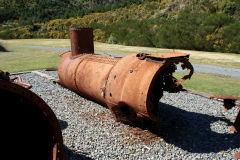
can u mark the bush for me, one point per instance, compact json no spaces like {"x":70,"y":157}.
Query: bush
{"x":231,"y":34}
{"x":112,"y":39}
{"x":199,"y":31}
{"x":130,"y":32}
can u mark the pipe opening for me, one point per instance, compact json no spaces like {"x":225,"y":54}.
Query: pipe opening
{"x":170,"y":83}
{"x":165,"y":81}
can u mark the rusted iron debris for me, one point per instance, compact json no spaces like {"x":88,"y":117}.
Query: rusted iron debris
{"x":40,"y":133}
{"x":228,"y":103}
{"x":130,"y":86}
{"x":237,"y":155}
{"x":6,"y":76}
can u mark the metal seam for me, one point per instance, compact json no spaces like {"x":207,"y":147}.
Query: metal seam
{"x":106,"y":81}
{"x":75,"y":73}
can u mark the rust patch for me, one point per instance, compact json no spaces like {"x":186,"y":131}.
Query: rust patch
{"x":237,"y":155}
{"x":94,"y":115}
{"x":20,"y":82}
{"x":226,"y":97}
{"x":139,"y":136}
{"x":71,"y":101}
{"x":103,"y":115}
{"x":102,"y":59}
{"x":6,"y":77}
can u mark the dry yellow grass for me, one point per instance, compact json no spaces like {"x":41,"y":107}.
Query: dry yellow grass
{"x":60,"y":43}
{"x":200,"y":57}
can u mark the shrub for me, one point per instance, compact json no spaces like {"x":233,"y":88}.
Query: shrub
{"x":231,"y":34}
{"x":130,"y":32}
{"x":112,"y":39}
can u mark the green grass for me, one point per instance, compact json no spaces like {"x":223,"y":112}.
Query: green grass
{"x":199,"y":57}
{"x":23,"y":59}
{"x":213,"y":84}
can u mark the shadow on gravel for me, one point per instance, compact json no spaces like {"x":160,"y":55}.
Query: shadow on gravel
{"x":63,"y":124}
{"x":73,"y":155}
{"x":70,"y":153}
{"x":191,"y":131}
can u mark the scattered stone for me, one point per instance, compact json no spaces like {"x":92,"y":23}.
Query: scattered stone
{"x":192,"y":127}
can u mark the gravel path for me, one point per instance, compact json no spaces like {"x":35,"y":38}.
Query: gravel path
{"x":193,"y":127}
{"x":227,"y":71}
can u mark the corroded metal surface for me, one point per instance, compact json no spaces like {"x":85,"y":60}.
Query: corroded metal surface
{"x":236,"y":125}
{"x":228,"y":103}
{"x":130,"y":86}
{"x":81,"y":44}
{"x":237,"y":155}
{"x":6,"y":77}
{"x":20,"y":82}
{"x":226,"y":97}
{"x":134,"y":86}
{"x":39,"y":133}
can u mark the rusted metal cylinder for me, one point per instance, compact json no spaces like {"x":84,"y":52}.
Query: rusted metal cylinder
{"x":130,"y":86}
{"x":31,"y":127}
{"x":86,"y":74}
{"x":228,"y":103}
{"x":81,"y":40}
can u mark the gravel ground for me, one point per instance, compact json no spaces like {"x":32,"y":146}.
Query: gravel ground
{"x":193,"y":127}
{"x":227,"y":71}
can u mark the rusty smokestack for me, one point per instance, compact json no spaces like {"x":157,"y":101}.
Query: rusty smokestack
{"x":81,"y":40}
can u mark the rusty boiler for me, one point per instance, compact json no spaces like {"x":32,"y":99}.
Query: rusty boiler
{"x":30,"y":129}
{"x":130,"y":86}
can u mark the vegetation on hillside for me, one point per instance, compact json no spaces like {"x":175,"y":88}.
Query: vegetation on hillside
{"x":33,"y":11}
{"x":210,"y":25}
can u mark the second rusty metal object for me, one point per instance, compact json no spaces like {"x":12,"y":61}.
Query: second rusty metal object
{"x":229,"y":102}
{"x":30,"y":126}
{"x":130,"y":86}
{"x":20,"y":82}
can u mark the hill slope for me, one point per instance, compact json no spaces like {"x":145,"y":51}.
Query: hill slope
{"x":32,"y":11}
{"x":211,"y":25}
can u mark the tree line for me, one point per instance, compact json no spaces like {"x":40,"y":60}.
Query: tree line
{"x":33,"y":11}
{"x":208,"y":25}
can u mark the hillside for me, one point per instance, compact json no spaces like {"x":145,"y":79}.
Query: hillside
{"x":210,"y":25}
{"x":32,"y":11}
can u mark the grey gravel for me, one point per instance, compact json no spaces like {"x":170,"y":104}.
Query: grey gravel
{"x":193,"y":127}
{"x":227,"y":71}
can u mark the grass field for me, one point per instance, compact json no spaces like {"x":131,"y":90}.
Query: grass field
{"x":23,"y":59}
{"x":213,"y":84}
{"x":199,"y":57}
